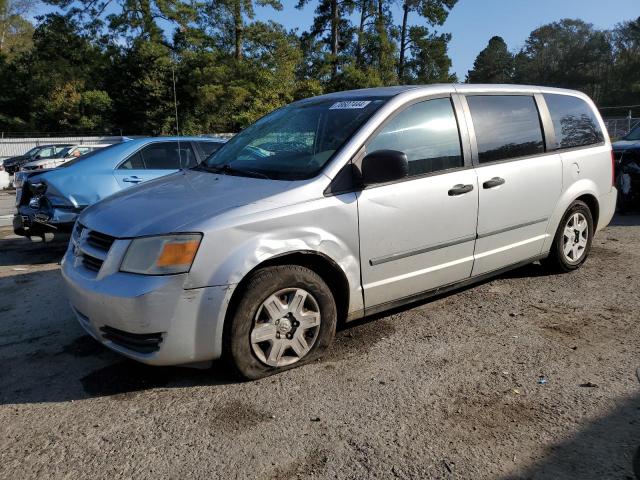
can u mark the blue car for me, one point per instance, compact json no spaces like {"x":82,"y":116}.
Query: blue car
{"x":50,"y":201}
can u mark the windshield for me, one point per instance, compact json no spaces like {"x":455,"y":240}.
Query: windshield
{"x":294,"y":142}
{"x":634,"y":134}
{"x":63,"y":153}
{"x":32,"y":152}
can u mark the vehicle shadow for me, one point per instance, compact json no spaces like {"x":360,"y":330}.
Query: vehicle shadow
{"x":625,"y":220}
{"x":608,"y":447}
{"x":47,"y":357}
{"x":22,"y":251}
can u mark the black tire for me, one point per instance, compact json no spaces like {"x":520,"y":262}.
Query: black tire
{"x":237,"y":350}
{"x":556,"y":261}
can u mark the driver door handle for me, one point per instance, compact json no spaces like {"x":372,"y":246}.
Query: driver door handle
{"x":132,"y":179}
{"x":494,"y":182}
{"x":460,"y":189}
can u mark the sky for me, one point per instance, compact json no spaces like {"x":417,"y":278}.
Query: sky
{"x":473,"y":22}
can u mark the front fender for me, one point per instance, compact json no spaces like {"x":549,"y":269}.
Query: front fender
{"x":327,"y":226}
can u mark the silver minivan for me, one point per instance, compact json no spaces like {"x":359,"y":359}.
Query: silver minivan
{"x":336,"y":207}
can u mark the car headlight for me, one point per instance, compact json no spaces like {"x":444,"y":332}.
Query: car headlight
{"x":161,"y":255}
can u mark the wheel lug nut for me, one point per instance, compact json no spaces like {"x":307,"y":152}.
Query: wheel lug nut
{"x":277,"y":335}
{"x":289,"y":336}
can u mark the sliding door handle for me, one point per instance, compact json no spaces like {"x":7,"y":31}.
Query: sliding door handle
{"x":460,"y":189}
{"x":494,"y":182}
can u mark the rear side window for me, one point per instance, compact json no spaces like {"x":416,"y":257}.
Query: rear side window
{"x":574,"y":122}
{"x":427,"y":133}
{"x":162,"y":156}
{"x":506,"y":126}
{"x":134,"y":162}
{"x":207,"y":148}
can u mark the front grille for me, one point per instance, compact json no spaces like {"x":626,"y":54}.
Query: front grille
{"x":92,"y":263}
{"x":77,"y":230}
{"x":138,"y":342}
{"x":100,"y":240}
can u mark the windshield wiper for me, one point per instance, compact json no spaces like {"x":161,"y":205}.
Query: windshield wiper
{"x":228,"y":169}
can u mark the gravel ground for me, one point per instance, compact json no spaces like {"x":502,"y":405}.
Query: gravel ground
{"x":443,"y":389}
{"x":7,"y":205}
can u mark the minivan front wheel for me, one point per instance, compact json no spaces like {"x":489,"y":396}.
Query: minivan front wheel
{"x":573,"y":238}
{"x":286,"y":317}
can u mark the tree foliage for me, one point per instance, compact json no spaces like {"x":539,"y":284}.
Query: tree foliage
{"x":110,"y":65}
{"x":494,"y":64}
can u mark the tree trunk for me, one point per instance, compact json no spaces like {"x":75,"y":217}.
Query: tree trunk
{"x":334,"y":38}
{"x":363,"y":17}
{"x":403,"y":40}
{"x":4,"y":23}
{"x":239,"y":28}
{"x":380,"y":30}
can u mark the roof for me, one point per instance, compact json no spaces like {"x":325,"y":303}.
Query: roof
{"x":178,"y":139}
{"x":388,"y":92}
{"x":55,"y":145}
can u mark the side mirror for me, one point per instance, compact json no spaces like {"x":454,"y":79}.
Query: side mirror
{"x":384,"y":166}
{"x":38,"y":157}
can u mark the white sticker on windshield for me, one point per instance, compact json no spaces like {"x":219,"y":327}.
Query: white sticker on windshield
{"x":350,"y":104}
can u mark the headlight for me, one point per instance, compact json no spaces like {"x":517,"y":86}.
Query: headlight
{"x":161,"y":255}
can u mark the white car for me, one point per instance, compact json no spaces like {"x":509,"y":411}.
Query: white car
{"x":66,"y":154}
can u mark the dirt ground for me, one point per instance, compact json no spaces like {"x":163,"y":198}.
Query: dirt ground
{"x":443,"y":389}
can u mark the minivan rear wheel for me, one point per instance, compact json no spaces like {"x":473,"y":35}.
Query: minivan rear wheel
{"x":286,"y":316}
{"x":573,"y":238}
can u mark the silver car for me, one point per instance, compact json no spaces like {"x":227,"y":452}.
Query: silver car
{"x":336,"y":207}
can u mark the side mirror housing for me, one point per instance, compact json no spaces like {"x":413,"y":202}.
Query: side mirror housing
{"x":384,"y":166}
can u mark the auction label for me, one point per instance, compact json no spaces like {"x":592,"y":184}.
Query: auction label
{"x":350,"y":104}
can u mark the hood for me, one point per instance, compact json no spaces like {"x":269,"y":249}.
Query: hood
{"x":170,"y":203}
{"x":12,"y":160}
{"x":625,"y":144}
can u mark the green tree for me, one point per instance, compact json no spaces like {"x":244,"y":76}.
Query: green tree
{"x":219,"y":94}
{"x":229,"y":18}
{"x":624,"y":86}
{"x":127,"y":20}
{"x":330,"y":36}
{"x":380,"y":43}
{"x":568,"y":53}
{"x":435,"y":12}
{"x":494,"y":64}
{"x":142,"y":84}
{"x":429,"y":62}
{"x":61,"y":65}
{"x":15,"y":30}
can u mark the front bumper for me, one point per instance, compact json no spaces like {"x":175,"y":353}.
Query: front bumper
{"x":140,"y":308}
{"x":29,"y":222}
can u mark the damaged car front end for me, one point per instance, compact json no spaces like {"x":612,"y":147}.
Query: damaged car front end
{"x":42,"y":211}
{"x":49,"y":201}
{"x":627,"y":169}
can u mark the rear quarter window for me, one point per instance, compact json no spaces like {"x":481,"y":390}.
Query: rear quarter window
{"x":574,"y":122}
{"x":207,"y":148}
{"x":506,"y":126}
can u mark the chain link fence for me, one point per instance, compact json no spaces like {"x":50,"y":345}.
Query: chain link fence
{"x":619,"y":127}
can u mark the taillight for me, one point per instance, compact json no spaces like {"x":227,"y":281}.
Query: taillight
{"x":613,"y":169}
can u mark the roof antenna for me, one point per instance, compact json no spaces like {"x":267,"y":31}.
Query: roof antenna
{"x":175,"y":96}
{"x":175,"y":104}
